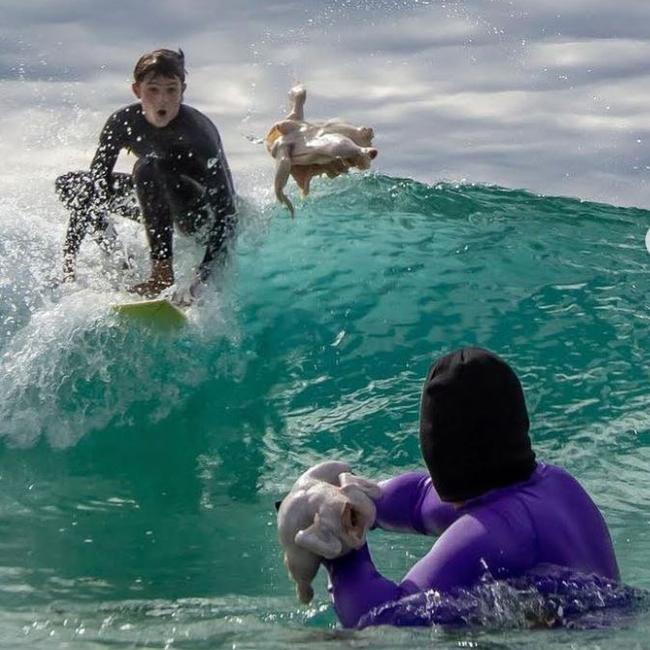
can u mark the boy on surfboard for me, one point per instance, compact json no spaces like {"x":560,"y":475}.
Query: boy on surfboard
{"x":306,"y":149}
{"x":181,"y":178}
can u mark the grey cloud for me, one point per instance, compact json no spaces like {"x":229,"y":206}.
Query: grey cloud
{"x":568,"y":19}
{"x":551,"y":96}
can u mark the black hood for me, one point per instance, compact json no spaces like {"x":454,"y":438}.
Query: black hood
{"x":474,"y":425}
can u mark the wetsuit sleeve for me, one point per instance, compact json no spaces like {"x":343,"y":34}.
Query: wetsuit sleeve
{"x":410,"y":503}
{"x":219,"y":184}
{"x":220,"y":197}
{"x":469,"y":548}
{"x":356,"y":586}
{"x":101,"y":168}
{"x":95,"y":190}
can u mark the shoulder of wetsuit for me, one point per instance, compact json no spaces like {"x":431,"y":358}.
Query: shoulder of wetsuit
{"x":189,"y":111}
{"x":126,"y":113}
{"x":191,"y":114}
{"x":124,"y":117}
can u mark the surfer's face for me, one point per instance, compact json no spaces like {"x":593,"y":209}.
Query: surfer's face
{"x":161,"y":98}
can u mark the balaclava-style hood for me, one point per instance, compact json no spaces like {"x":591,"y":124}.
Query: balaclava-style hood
{"x":474,"y":425}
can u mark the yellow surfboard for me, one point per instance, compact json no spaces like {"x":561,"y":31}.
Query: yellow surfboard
{"x":159,"y":313}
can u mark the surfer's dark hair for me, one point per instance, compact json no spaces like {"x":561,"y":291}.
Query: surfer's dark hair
{"x":162,"y":62}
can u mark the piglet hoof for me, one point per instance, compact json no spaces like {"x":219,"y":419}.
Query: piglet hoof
{"x":298,"y":92}
{"x":305,"y":593}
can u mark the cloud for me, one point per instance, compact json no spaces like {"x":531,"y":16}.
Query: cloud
{"x":549,"y":96}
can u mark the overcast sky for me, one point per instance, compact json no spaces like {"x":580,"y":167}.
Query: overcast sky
{"x":551,"y":95}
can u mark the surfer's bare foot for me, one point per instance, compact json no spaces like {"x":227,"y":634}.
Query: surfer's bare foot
{"x":162,"y":276}
{"x":149,"y":289}
{"x":185,"y":297}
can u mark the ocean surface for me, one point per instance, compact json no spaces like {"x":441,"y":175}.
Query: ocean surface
{"x":139,"y":469}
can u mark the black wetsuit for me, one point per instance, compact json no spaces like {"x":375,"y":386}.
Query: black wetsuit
{"x":181,"y":177}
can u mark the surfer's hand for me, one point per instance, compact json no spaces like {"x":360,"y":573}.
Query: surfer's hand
{"x":182,"y":297}
{"x":185,"y":297}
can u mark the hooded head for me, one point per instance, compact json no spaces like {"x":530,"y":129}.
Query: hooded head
{"x":474,"y":425}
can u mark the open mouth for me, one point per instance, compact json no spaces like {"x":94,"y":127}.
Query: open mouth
{"x":161,"y":112}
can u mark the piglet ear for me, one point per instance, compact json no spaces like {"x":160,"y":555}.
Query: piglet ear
{"x":360,"y":511}
{"x":353,"y":526}
{"x":319,"y":540}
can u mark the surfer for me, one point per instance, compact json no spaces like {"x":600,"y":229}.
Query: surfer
{"x":498,"y":512}
{"x":181,"y":178}
{"x":306,"y":149}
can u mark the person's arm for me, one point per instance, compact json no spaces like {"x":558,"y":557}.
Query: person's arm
{"x":356,"y":587}
{"x":101,"y":170}
{"x":220,"y":189}
{"x":220,"y":199}
{"x":221,"y":233}
{"x":221,"y":203}
{"x":467,"y":550}
{"x":410,"y":503}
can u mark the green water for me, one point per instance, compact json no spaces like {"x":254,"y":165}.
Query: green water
{"x":139,"y":470}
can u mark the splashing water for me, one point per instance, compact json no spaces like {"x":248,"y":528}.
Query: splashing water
{"x":139,"y":469}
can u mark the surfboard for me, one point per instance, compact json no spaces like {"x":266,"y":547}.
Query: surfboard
{"x":159,"y":313}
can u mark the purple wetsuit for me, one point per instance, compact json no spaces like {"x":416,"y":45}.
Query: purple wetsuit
{"x":547,"y":519}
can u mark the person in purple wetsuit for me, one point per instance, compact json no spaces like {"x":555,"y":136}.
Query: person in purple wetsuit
{"x":498,"y":512}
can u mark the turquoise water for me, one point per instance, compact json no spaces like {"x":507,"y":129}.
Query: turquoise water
{"x":139,"y":469}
